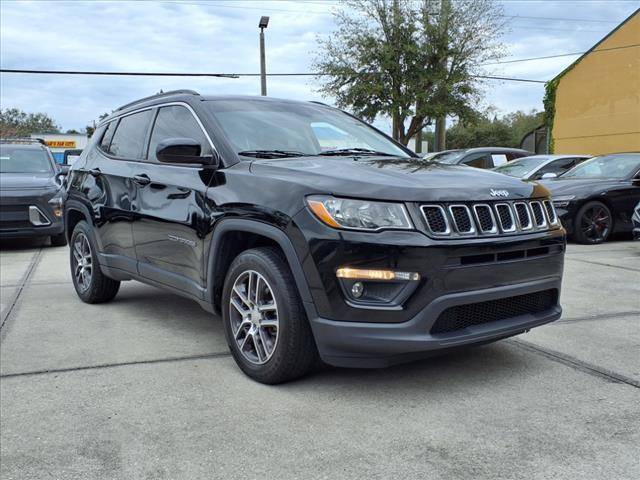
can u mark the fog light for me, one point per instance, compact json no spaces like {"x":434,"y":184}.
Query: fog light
{"x":380,"y":275}
{"x":57,"y":212}
{"x":357,"y":289}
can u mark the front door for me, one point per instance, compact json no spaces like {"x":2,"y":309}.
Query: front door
{"x":171,"y":219}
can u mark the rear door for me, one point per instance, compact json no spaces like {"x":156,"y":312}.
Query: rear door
{"x":109,"y":187}
{"x":171,"y":220}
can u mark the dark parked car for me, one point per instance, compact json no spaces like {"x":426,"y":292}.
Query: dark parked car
{"x":635,"y":219}
{"x":485,"y":157}
{"x":540,"y":166}
{"x":364,"y":254}
{"x":596,"y":198}
{"x":31,"y":193}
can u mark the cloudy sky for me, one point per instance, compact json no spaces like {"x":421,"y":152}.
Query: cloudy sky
{"x":222,"y":36}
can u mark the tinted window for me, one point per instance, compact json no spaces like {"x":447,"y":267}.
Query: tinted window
{"x":176,"y":122}
{"x":128,"y":141}
{"x":15,"y":159}
{"x":618,"y":166}
{"x":108,"y":135}
{"x":557,"y":166}
{"x":477,"y":160}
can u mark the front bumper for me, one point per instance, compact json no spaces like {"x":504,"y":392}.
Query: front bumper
{"x":372,"y":345}
{"x":15,"y":218}
{"x":462,"y":272}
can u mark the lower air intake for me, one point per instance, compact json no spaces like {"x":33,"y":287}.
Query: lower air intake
{"x":463,"y":316}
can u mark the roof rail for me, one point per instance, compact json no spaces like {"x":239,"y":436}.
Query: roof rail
{"x":319,"y":103}
{"x":22,"y":140}
{"x":158,"y":95}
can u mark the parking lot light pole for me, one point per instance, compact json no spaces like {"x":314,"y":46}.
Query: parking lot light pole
{"x":264,"y":21}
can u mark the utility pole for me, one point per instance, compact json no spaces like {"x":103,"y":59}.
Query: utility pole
{"x":441,"y":121}
{"x":264,"y":21}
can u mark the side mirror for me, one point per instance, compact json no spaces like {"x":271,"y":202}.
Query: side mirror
{"x":549,"y":175}
{"x":181,"y":150}
{"x":64,"y":170}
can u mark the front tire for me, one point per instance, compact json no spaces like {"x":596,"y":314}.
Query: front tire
{"x":92,"y":286}
{"x":266,"y":328}
{"x":593,"y":223}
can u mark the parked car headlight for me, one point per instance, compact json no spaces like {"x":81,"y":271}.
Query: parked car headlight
{"x":353,"y":214}
{"x":562,"y":201}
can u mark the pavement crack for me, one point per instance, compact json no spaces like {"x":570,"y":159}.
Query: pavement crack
{"x":600,"y":316}
{"x":576,"y":363}
{"x":22,"y":283}
{"x":603,"y":264}
{"x":119,"y":364}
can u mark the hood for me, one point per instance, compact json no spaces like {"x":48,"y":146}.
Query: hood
{"x":396,"y":179}
{"x":27,"y":181}
{"x":578,"y":186}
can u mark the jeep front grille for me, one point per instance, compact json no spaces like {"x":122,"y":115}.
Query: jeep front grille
{"x":481,"y":219}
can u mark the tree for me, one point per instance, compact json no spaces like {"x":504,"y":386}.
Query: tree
{"x":506,"y":131}
{"x":89,"y":129}
{"x":412,"y":60}
{"x":16,"y":123}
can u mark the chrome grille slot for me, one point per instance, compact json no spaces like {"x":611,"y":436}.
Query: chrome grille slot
{"x":505,"y":215}
{"x":462,"y":219}
{"x":456,"y":220}
{"x":538,"y":214}
{"x":524,"y":218}
{"x":485,"y":218}
{"x":436,"y":219}
{"x":551,"y":212}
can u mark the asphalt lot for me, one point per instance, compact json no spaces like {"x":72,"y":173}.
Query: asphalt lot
{"x":144,"y":388}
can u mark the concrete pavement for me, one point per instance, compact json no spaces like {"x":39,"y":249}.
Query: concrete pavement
{"x":144,"y":387}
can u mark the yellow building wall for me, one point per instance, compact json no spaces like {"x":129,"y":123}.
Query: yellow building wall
{"x":598,"y":100}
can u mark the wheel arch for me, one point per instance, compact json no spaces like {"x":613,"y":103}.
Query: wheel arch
{"x":74,"y":212}
{"x":233,"y":236}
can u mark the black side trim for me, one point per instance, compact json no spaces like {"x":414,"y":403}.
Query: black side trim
{"x":242,"y":225}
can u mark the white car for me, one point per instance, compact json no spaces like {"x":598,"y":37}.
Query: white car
{"x":536,"y":167}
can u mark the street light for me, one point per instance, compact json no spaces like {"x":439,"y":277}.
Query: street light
{"x":264,"y":21}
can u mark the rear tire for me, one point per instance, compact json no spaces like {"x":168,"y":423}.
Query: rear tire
{"x":92,"y":286}
{"x":266,"y":328}
{"x":593,"y":223}
{"x":58,"y":240}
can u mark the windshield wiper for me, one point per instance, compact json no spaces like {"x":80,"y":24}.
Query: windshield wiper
{"x":272,"y":153}
{"x":355,"y":151}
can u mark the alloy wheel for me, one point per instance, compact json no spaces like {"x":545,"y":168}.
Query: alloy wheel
{"x":82,"y":261}
{"x":253,"y":314}
{"x":595,"y":224}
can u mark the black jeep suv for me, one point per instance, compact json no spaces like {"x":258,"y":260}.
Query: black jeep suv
{"x":30,"y":191}
{"x":310,"y":232}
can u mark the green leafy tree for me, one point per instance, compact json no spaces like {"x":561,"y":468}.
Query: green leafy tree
{"x":411,"y":60}
{"x":490,"y":130}
{"x":16,"y":123}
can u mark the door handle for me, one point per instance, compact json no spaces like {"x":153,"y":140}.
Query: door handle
{"x":95,"y":172}
{"x":142,"y":179}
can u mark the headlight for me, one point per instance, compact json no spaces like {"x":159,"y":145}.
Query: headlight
{"x":359,"y":214}
{"x":562,"y":201}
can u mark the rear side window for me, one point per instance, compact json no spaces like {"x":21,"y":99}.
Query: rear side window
{"x":129,"y":138}
{"x":108,"y":135}
{"x":176,"y":122}
{"x":477,"y":160}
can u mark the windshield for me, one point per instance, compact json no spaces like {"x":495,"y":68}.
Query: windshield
{"x":16,"y":159}
{"x":618,"y":166}
{"x":450,"y":157}
{"x":265,"y":129}
{"x":521,"y":167}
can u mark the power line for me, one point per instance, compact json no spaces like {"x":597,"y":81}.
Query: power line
{"x":561,"y":55}
{"x":219,"y":75}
